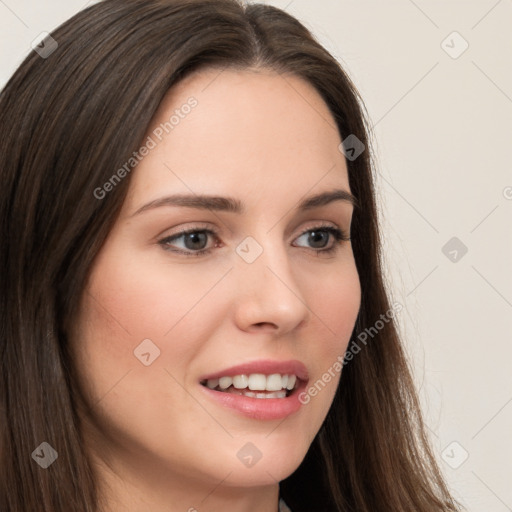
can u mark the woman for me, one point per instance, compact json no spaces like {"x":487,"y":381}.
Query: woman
{"x":193,"y":309}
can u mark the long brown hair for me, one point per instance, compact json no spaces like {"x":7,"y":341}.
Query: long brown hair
{"x":68,"y":121}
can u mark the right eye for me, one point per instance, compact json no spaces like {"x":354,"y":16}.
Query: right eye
{"x":193,"y":241}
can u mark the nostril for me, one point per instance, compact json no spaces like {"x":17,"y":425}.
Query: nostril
{"x":263,"y":324}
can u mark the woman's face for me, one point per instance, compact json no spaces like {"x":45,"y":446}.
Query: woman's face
{"x":265,"y":287}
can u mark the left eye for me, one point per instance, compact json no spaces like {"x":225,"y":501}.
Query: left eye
{"x":322,"y":234}
{"x":195,"y":240}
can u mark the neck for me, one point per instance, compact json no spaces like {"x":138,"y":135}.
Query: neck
{"x":135,"y":488}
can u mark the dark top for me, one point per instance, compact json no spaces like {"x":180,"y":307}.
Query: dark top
{"x":283,"y":507}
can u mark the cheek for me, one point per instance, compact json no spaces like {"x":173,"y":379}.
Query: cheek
{"x":135,"y":404}
{"x":334,"y":305}
{"x":146,"y":297}
{"x":131,"y":300}
{"x":334,"y":308}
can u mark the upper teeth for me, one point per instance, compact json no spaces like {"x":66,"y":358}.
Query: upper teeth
{"x":255,"y":381}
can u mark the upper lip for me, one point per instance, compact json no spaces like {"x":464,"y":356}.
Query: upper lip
{"x":264,"y":366}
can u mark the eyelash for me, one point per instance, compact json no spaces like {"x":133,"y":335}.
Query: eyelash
{"x":337,"y":233}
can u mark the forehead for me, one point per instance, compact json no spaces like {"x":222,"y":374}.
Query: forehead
{"x":258,"y":132}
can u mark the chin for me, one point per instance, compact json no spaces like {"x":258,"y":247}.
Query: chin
{"x":267,"y":459}
{"x":262,"y":474}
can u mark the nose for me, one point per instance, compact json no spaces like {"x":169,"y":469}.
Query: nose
{"x":268,"y":295}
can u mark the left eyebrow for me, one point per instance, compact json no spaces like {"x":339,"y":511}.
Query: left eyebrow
{"x":233,"y":205}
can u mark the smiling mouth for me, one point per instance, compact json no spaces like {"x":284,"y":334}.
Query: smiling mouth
{"x":255,"y":385}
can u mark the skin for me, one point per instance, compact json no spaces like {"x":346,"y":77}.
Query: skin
{"x":158,"y":442}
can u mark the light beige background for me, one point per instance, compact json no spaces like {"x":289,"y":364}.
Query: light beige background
{"x":443,"y":133}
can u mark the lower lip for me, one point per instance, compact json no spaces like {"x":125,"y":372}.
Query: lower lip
{"x":259,"y":408}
